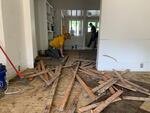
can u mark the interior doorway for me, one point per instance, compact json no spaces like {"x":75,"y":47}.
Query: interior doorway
{"x":76,"y":22}
{"x":95,"y":23}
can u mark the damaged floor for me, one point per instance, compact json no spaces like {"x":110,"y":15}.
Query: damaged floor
{"x":31,"y":97}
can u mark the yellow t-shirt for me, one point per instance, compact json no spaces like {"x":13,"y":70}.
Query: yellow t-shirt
{"x":58,"y":41}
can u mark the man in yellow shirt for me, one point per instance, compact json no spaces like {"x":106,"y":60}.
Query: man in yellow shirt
{"x":56,"y":45}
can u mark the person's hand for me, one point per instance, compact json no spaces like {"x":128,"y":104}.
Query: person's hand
{"x":62,"y":56}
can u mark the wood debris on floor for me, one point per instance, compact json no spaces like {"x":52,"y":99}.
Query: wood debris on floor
{"x":74,"y":85}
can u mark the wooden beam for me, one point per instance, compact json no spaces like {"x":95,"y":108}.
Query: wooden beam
{"x":136,"y":86}
{"x":104,"y":104}
{"x":46,"y":76}
{"x":145,"y":106}
{"x":94,"y":105}
{"x":86,"y":88}
{"x":88,"y":73}
{"x":89,"y":67}
{"x":89,"y":107}
{"x":86,"y":64}
{"x":52,"y":80}
{"x":95,"y":71}
{"x":41,"y":76}
{"x":106,"y":85}
{"x":132,"y":88}
{"x":67,"y":66}
{"x":83,"y":60}
{"x":68,"y":90}
{"x":101,"y":82}
{"x":73,"y":105}
{"x":29,"y":73}
{"x":136,"y":98}
{"x":63,"y":62}
{"x":119,"y":76}
{"x":52,"y":91}
{"x":50,"y":73}
{"x":105,"y":78}
{"x":37,"y":74}
{"x":125,"y":86}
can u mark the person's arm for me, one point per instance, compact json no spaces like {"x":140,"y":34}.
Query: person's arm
{"x":61,"y":51}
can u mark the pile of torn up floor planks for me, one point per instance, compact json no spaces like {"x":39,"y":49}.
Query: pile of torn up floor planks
{"x":107,"y":84}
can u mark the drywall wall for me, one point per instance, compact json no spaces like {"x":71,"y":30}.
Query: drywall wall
{"x":13,"y":32}
{"x":29,"y":32}
{"x":2,"y":42}
{"x":75,"y":4}
{"x":41,"y":24}
{"x":37,"y":24}
{"x":57,"y":22}
{"x":124,"y":35}
{"x":17,"y":34}
{"x":33,"y":30}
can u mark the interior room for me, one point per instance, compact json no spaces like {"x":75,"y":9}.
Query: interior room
{"x":74,"y":56}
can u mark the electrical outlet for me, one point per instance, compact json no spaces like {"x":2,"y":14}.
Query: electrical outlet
{"x":141,"y":65}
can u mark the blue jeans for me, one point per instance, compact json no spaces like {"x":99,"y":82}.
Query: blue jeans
{"x":53,"y":52}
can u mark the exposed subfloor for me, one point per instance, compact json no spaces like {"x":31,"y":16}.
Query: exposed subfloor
{"x":32,"y":98}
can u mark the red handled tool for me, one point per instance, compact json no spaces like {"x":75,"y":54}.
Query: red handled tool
{"x":17,"y":72}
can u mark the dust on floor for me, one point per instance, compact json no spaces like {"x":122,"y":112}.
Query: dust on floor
{"x":32,"y":98}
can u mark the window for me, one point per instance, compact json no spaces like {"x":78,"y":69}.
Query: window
{"x":73,"y":13}
{"x":91,"y":13}
{"x":89,"y":28}
{"x":96,"y":24}
{"x":75,"y":27}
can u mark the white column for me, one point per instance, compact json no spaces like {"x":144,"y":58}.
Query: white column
{"x":29,"y":29}
{"x":42,"y":21}
{"x":2,"y":42}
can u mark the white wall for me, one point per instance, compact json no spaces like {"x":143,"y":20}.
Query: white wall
{"x":13,"y":32}
{"x":18,"y":34}
{"x":124,"y":35}
{"x":41,"y":24}
{"x":57,"y":22}
{"x":29,"y":32}
{"x":2,"y":42}
{"x":37,"y":24}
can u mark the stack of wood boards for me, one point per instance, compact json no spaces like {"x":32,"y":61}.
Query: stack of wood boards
{"x":112,"y":86}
